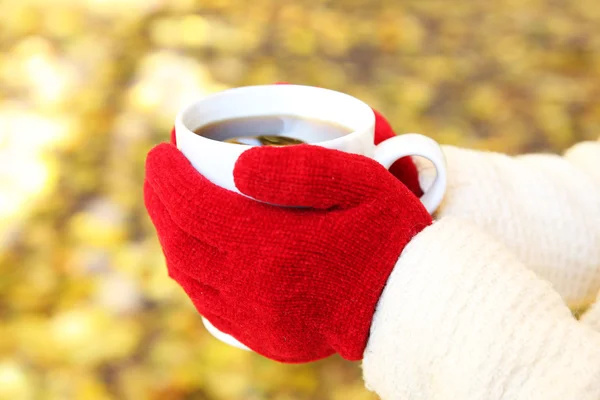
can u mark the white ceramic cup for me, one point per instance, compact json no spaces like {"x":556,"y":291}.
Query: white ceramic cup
{"x":216,"y":160}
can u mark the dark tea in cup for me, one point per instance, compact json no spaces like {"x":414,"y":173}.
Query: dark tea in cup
{"x":271,"y":130}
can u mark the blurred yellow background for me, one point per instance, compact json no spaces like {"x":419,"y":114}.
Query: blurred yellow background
{"x":88,"y":86}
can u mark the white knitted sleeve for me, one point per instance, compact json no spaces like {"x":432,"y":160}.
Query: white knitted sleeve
{"x":461,"y":318}
{"x":592,"y":316}
{"x":544,"y":208}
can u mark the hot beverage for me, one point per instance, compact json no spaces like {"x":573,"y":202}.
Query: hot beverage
{"x":272,"y":130}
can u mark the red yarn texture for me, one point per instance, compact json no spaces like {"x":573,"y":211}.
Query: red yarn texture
{"x":293,"y":284}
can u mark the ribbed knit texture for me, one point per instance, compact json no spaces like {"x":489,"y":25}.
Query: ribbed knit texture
{"x":544,"y":208}
{"x":461,"y":318}
{"x":293,"y":284}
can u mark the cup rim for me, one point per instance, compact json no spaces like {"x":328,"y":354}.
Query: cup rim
{"x":369,"y":121}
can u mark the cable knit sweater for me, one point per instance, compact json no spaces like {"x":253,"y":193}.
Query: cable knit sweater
{"x":476,"y":307}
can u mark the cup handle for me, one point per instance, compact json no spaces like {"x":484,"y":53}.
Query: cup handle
{"x":413,"y":144}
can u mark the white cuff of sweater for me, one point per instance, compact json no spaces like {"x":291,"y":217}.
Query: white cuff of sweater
{"x":460,"y":318}
{"x":544,"y":208}
{"x":592,"y":316}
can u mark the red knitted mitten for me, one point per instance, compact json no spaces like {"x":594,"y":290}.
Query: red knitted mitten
{"x":293,"y":284}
